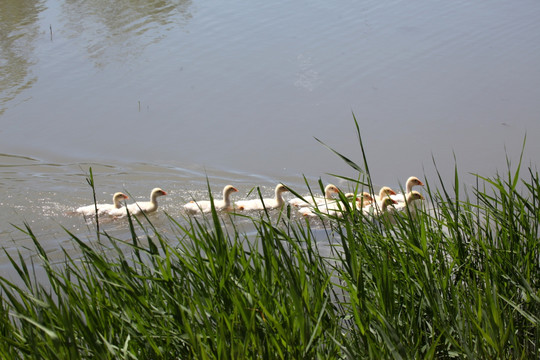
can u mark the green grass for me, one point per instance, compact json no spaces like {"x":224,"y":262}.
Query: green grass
{"x":459,"y":280}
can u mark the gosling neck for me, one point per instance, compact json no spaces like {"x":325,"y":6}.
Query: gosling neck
{"x":279,"y":197}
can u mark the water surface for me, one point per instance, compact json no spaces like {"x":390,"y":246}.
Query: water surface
{"x":168,"y":93}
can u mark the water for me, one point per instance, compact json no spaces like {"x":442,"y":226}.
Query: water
{"x":168,"y":93}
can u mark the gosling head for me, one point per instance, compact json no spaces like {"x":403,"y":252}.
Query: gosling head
{"x":331,"y":189}
{"x":118,"y":197}
{"x":413,"y":181}
{"x":386,"y":191}
{"x":414,"y":195}
{"x":157,"y":192}
{"x":387,"y":201}
{"x":229,"y":189}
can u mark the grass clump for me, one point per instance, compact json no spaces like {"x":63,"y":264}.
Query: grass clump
{"x":213,"y":295}
{"x":461,"y":279}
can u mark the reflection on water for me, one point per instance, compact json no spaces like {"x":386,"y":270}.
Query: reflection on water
{"x":109,"y":30}
{"x":119,"y":30}
{"x":18,"y":31}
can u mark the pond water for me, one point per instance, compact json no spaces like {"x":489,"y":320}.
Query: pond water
{"x":170,"y":93}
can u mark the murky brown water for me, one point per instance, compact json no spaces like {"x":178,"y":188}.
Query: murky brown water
{"x":163,"y":93}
